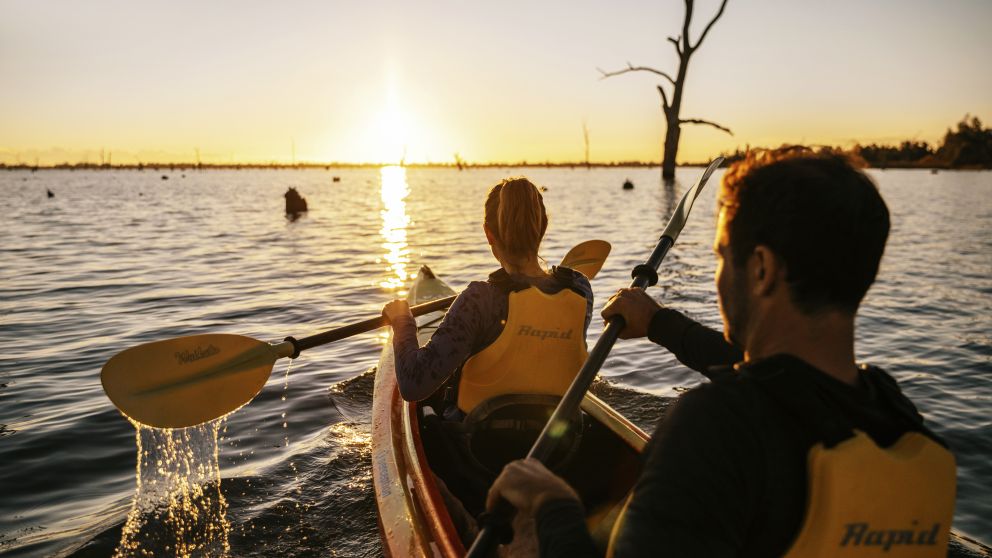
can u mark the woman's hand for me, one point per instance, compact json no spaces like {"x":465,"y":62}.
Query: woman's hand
{"x":396,"y":309}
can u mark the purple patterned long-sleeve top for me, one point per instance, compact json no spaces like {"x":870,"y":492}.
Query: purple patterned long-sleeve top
{"x":473,"y":322}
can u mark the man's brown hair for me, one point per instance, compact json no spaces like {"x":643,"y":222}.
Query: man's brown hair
{"x":816,"y":211}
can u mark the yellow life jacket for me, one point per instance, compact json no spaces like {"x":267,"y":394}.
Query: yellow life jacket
{"x":863,"y":500}
{"x":541,"y":349}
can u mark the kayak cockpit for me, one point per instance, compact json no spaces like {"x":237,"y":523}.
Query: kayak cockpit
{"x":429,"y":491}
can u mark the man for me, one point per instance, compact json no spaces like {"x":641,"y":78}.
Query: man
{"x":798,"y":244}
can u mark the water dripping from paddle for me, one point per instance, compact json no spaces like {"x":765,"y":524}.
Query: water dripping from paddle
{"x":178,"y":507}
{"x":297,"y":486}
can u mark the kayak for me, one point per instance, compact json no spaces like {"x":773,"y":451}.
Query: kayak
{"x":413,"y":517}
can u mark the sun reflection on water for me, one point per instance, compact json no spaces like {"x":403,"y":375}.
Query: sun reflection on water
{"x":394,"y":225}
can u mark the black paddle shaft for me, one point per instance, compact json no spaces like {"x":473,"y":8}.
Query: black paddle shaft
{"x":644,"y":275}
{"x":496,"y":528}
{"x":370,"y":324}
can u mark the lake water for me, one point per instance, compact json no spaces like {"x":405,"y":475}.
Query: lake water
{"x":119,"y":258}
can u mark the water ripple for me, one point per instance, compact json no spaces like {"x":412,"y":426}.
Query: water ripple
{"x":122,"y":258}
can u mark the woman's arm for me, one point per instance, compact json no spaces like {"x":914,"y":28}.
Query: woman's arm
{"x":420,"y":371}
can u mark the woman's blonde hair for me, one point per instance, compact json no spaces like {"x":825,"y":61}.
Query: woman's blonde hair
{"x":515,"y":215}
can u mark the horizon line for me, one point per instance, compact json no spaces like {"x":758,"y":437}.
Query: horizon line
{"x":328,"y":165}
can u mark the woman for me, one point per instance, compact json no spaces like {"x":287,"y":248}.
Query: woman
{"x":520,"y":331}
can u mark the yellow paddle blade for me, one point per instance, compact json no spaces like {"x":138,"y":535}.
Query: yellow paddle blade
{"x":587,"y":257}
{"x":187,"y":380}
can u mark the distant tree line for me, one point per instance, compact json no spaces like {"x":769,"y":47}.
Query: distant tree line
{"x":906,"y":154}
{"x":968,"y":147}
{"x":458,"y":164}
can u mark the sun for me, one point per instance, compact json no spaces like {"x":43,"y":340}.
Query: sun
{"x":392,"y":135}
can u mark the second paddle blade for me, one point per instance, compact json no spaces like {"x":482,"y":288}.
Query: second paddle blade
{"x":187,"y":381}
{"x":587,"y":257}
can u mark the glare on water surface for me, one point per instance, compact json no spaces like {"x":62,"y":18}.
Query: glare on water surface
{"x":394,"y":224}
{"x":395,"y":221}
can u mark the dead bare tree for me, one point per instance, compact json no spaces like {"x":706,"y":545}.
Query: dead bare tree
{"x":673,"y":106}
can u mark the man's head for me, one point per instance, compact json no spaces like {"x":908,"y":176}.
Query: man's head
{"x":812,"y":219}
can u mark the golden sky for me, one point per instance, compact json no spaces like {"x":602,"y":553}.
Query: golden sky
{"x":498,"y":81}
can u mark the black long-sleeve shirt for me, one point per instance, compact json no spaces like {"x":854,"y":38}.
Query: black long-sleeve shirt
{"x":725,"y":472}
{"x":698,"y":347}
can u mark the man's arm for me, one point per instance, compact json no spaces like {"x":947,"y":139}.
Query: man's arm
{"x":562,"y":532}
{"x":694,"y":344}
{"x":695,"y":494}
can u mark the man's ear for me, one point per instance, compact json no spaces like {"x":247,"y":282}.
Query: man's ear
{"x":490,"y":237}
{"x":764,"y":270}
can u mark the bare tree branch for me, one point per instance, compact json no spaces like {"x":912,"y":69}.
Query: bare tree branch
{"x":712,"y":21}
{"x":686,"y":44}
{"x":664,"y":99}
{"x":630,"y":68}
{"x":704,"y":122}
{"x":672,"y":106}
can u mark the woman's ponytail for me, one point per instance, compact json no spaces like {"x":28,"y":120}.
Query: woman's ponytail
{"x":515,"y":214}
